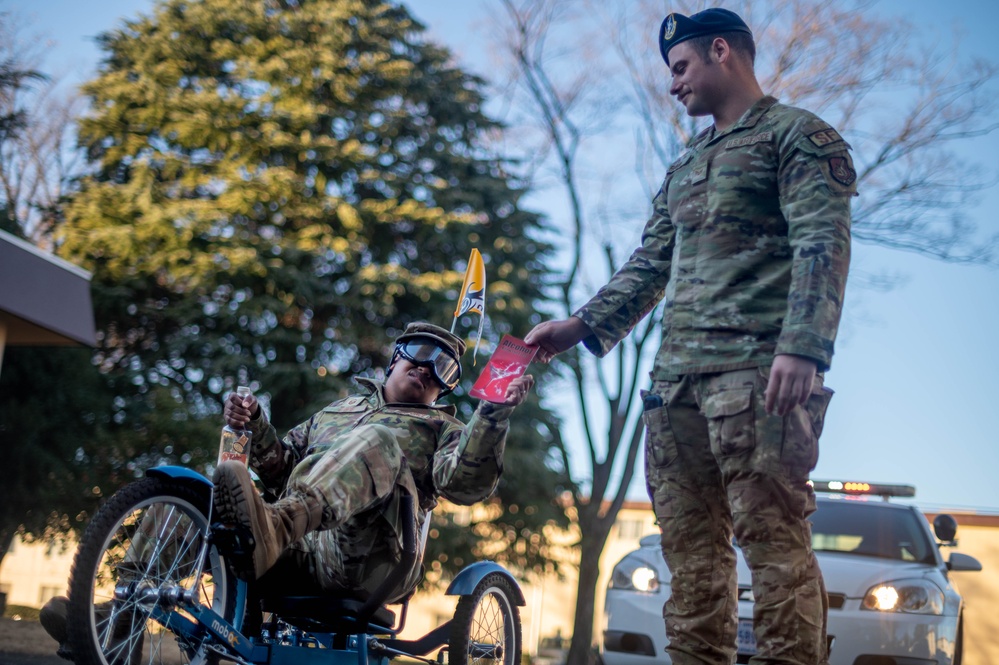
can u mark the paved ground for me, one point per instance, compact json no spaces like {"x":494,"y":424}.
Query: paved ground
{"x":26,"y":643}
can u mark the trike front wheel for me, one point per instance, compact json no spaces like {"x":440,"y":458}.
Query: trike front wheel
{"x":146,"y":538}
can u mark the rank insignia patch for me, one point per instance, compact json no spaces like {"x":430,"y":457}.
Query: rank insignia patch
{"x":841,"y":171}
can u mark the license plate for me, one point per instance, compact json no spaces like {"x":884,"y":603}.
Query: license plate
{"x":745,"y":640}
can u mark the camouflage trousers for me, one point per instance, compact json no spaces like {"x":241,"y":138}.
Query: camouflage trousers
{"x":362,"y":475}
{"x":718,"y":465}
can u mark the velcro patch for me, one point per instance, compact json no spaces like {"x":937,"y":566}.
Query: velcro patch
{"x":749,"y":140}
{"x":825,"y":137}
{"x":698,"y":174}
{"x":842,"y":171}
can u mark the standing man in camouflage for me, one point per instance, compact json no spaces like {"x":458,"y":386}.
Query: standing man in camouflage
{"x":749,"y":245}
{"x":333,"y":484}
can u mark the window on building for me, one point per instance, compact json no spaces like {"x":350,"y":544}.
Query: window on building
{"x":630,"y":529}
{"x":45,"y":593}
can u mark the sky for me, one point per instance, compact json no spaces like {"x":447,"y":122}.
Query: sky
{"x":916,"y":368}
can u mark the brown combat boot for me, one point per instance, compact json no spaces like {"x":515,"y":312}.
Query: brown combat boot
{"x":53,"y":619}
{"x":273,"y":526}
{"x":123,"y":646}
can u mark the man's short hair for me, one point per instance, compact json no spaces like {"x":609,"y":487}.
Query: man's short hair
{"x":740,"y":42}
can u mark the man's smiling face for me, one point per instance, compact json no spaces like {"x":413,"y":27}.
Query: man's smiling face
{"x":695,"y":82}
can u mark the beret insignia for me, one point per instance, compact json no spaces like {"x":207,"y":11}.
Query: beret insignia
{"x":669,"y":28}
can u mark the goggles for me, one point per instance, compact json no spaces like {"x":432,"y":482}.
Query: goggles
{"x":445,"y":367}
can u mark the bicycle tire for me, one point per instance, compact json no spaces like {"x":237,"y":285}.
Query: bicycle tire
{"x":486,"y":625}
{"x":146,"y":535}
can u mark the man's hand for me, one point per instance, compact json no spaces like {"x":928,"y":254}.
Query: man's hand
{"x":554,"y":337}
{"x":790,"y":383}
{"x":517,"y":391}
{"x":239,"y":410}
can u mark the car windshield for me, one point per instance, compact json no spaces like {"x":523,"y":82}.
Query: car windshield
{"x":870,"y":529}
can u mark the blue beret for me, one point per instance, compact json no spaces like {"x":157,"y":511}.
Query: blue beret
{"x":678,"y":28}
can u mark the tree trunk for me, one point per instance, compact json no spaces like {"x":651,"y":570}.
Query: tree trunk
{"x":594,"y":529}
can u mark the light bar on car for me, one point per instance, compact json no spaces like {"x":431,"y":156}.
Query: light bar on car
{"x":862,"y":488}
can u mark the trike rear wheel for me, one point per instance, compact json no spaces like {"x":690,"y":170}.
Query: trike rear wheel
{"x":146,"y":537}
{"x":486,"y":625}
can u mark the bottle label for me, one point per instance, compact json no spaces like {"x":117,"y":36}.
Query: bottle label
{"x":225,"y":456}
{"x":235,"y":445}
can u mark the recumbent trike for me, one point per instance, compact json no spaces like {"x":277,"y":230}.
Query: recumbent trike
{"x":150,"y":586}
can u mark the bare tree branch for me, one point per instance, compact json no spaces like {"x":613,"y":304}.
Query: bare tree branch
{"x":38,"y":157}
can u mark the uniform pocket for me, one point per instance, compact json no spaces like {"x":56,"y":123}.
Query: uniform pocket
{"x":803,"y":426}
{"x":660,"y":445}
{"x":731,"y":421}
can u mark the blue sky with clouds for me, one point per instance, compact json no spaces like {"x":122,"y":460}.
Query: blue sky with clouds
{"x":916,"y":368}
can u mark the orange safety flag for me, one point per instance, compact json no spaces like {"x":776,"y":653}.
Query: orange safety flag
{"x":473,"y":295}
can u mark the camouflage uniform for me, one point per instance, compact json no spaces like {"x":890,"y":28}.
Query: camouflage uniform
{"x":361,"y":453}
{"x":749,"y":245}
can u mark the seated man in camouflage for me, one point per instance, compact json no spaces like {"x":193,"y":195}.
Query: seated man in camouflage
{"x":334,"y":482}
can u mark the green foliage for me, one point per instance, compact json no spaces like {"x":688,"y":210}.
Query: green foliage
{"x":278,"y":188}
{"x":12,"y":79}
{"x":43,"y":429}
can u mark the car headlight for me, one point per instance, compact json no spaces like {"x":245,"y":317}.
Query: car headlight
{"x":634,"y":575}
{"x":911,"y":596}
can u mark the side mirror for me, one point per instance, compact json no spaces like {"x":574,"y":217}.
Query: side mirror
{"x":945,"y":527}
{"x":962,"y":562}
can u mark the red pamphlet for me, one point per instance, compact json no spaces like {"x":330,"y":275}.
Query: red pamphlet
{"x":509,"y":361}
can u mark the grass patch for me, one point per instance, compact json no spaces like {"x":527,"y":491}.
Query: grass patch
{"x":22,"y":612}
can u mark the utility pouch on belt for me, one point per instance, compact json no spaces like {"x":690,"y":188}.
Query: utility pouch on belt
{"x":651,"y":400}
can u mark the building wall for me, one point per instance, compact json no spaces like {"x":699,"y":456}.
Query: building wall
{"x":31,"y":574}
{"x":981,"y":593}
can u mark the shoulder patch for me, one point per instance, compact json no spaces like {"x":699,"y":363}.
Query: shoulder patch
{"x":750,"y":140}
{"x":825,"y":137}
{"x":842,"y":171}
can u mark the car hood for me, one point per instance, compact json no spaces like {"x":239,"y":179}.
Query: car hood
{"x":853,"y":575}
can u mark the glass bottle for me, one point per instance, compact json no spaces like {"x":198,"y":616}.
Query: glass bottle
{"x":235,"y":443}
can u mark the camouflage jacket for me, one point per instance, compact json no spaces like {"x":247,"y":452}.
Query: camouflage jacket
{"x":749,"y":245}
{"x":462,"y":463}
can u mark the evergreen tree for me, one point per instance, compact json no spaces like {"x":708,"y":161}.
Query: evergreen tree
{"x":279,"y":187}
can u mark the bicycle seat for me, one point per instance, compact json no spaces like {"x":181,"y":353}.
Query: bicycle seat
{"x":328,"y":613}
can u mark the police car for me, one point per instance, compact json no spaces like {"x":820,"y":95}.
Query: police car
{"x":891,"y":599}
